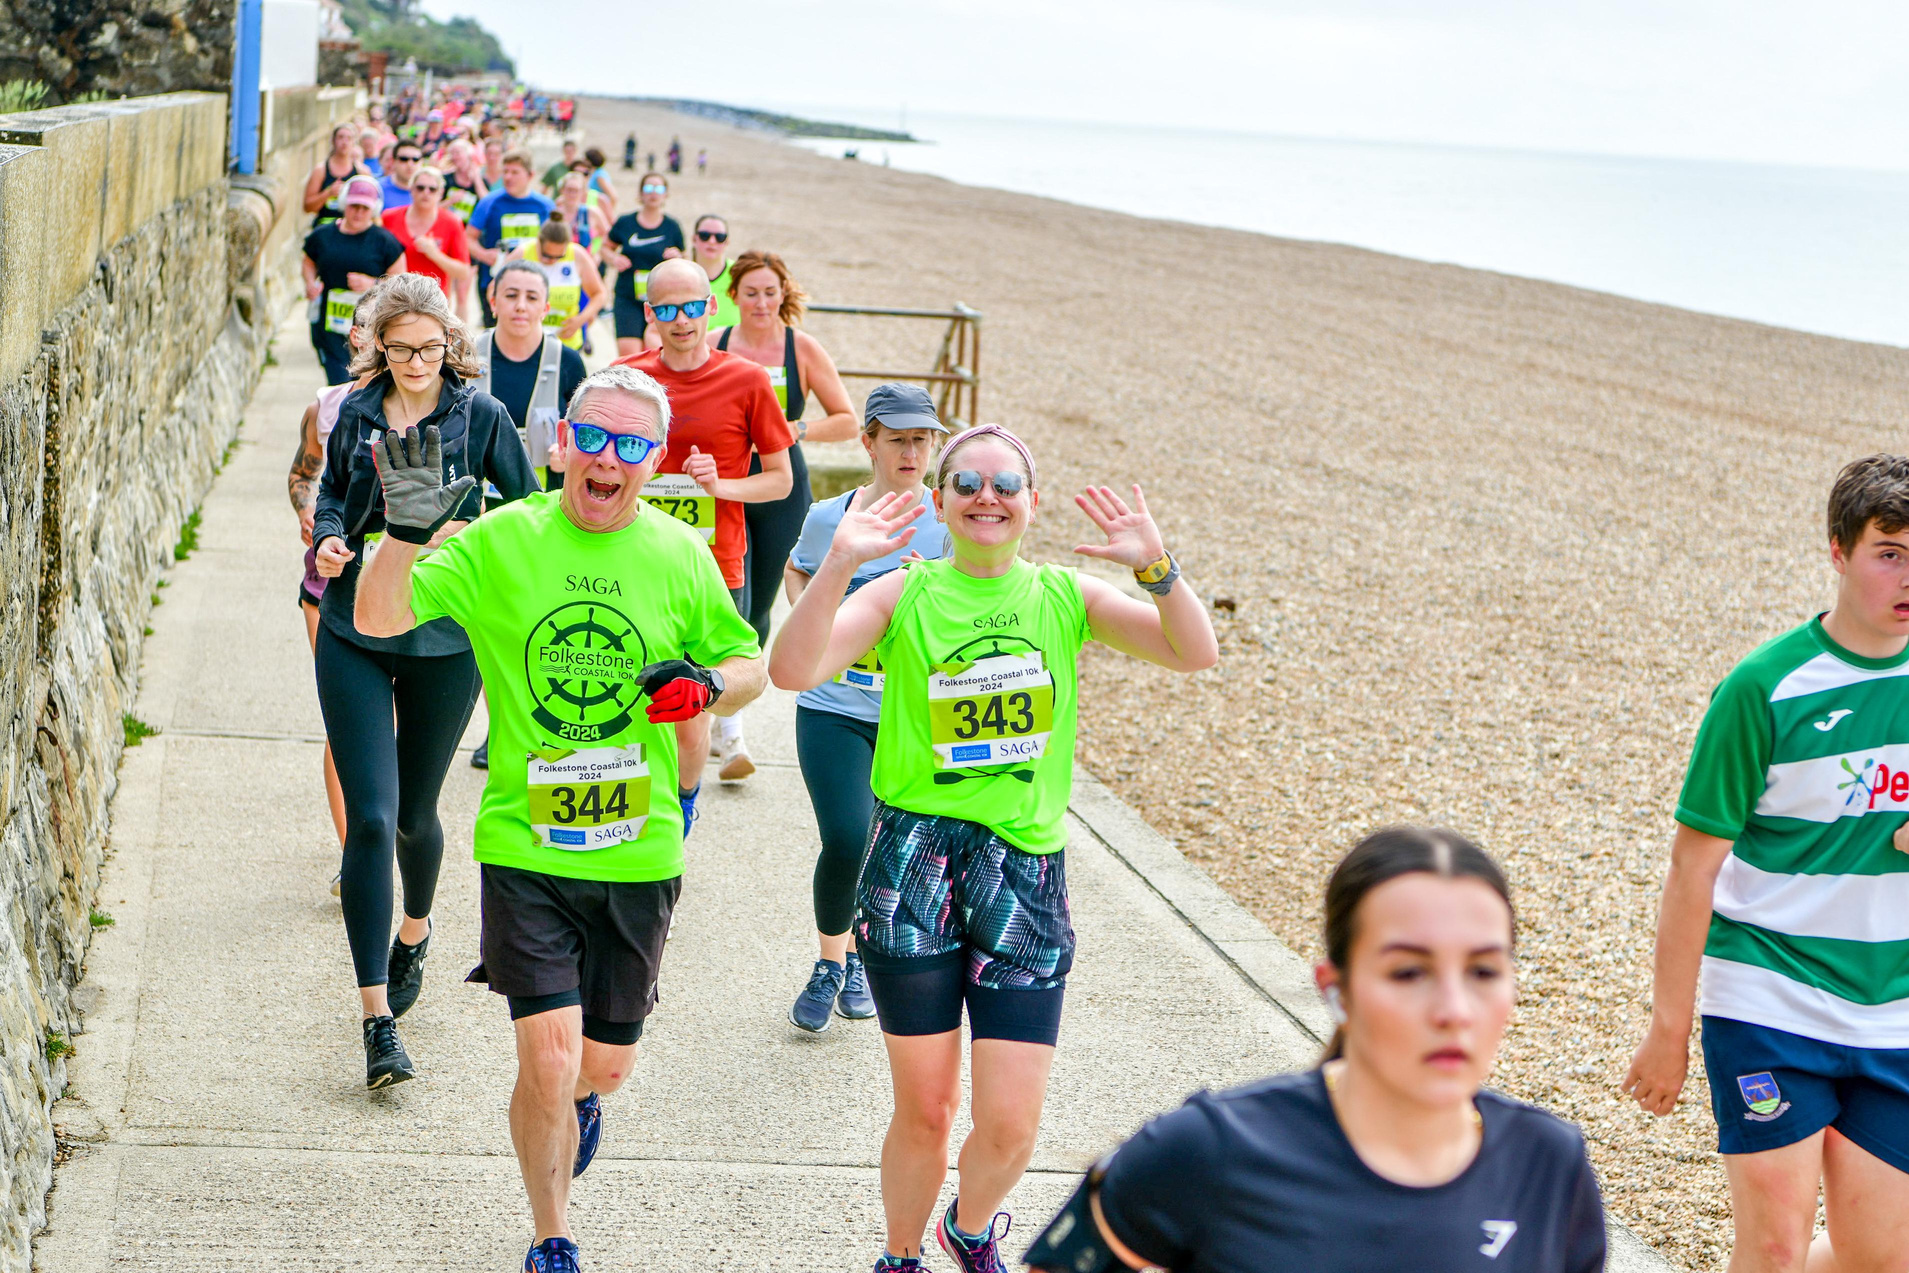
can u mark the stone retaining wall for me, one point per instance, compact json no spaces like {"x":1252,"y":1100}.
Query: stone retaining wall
{"x":124,"y":366}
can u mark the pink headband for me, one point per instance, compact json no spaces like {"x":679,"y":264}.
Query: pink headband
{"x":984,"y":430}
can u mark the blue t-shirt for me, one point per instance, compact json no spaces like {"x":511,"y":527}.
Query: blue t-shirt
{"x":856,"y":692}
{"x":395,"y":195}
{"x":500,"y":210}
{"x":1261,"y":1177}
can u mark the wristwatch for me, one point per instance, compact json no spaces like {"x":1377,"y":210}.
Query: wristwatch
{"x":716,"y":686}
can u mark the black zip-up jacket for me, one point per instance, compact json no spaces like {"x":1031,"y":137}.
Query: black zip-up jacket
{"x":479,"y":440}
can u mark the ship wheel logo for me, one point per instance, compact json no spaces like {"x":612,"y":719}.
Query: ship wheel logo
{"x":581,"y":662}
{"x":990,"y":646}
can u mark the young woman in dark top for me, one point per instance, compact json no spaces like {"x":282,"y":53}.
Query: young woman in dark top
{"x":638,"y":242}
{"x":1389,"y":1155}
{"x":325,"y":187}
{"x":419,"y":359}
{"x":770,"y":305}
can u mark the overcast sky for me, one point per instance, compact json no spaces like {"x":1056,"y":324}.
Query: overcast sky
{"x":1770,"y":80}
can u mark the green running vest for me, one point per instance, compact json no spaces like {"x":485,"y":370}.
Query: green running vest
{"x":978,"y":708}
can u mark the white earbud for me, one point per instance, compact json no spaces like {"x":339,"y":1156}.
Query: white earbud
{"x":1334,"y":1005}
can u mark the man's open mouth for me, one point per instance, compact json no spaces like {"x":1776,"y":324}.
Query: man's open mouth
{"x":602,"y":492}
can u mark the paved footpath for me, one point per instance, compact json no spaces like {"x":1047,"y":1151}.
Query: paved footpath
{"x":218,"y":1115}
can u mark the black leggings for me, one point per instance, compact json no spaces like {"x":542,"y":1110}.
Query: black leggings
{"x":390,"y":778}
{"x":334,"y":354}
{"x":773,"y":529}
{"x":836,"y":753}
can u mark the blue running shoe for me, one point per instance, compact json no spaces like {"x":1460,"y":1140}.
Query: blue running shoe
{"x":688,"y":799}
{"x":973,"y":1255}
{"x":855,"y":1002}
{"x":589,"y":1132}
{"x":553,"y":1255}
{"x":898,"y":1264}
{"x":812,"y":1006}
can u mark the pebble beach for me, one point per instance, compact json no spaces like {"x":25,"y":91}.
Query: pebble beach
{"x":1478,"y":547}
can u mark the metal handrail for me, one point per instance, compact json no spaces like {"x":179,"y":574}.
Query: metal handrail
{"x":957,"y":361}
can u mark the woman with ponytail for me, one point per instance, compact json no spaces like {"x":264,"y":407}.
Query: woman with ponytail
{"x":1390,"y":1154}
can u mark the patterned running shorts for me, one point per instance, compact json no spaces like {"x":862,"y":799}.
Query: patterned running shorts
{"x":934,"y":886}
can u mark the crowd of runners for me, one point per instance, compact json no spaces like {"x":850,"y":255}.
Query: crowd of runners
{"x":600,"y":556}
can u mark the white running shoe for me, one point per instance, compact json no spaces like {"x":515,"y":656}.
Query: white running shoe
{"x":736,"y":763}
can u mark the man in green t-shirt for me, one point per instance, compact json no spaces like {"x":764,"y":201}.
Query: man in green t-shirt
{"x":553,"y":176}
{"x":1789,"y":892}
{"x":580,"y":604}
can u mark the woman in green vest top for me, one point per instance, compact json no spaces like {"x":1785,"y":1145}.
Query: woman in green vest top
{"x":963,"y":891}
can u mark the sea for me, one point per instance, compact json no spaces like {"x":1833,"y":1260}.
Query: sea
{"x":1817,"y":249}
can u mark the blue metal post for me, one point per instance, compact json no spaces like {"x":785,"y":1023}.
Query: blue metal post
{"x":245,"y":86}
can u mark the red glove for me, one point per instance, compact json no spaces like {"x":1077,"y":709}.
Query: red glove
{"x":678,"y":690}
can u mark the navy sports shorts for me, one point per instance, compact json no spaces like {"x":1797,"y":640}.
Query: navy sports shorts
{"x":1770,"y":1088}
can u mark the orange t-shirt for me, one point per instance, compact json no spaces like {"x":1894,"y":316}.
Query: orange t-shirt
{"x":725,"y":408}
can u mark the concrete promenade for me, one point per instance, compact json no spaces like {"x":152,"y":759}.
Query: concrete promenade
{"x":217,"y":1117}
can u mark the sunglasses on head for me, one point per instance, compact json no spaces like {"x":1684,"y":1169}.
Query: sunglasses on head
{"x":967,"y":483}
{"x":631,"y":448}
{"x":713,"y":236}
{"x":690,"y":309}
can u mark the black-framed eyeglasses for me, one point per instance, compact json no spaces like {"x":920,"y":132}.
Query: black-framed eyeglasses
{"x":631,"y":448}
{"x":433,"y":352}
{"x":713,"y":236}
{"x":967,"y":483}
{"x":691,"y":309}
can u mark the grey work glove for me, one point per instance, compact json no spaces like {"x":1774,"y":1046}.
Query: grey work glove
{"x":416,"y":500}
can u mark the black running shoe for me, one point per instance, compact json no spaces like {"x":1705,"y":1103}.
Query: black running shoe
{"x":386,"y":1062}
{"x":407,"y":974}
{"x":481,"y":758}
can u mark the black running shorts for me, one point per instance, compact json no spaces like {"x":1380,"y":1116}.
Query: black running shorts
{"x":546,"y":937}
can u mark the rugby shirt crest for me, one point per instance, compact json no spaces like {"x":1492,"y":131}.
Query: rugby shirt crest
{"x":1803,"y":762}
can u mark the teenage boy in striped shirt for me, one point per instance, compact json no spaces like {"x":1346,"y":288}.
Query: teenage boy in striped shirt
{"x":1789,"y":890}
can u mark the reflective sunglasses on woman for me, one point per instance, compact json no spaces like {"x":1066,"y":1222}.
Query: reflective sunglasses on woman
{"x":653,"y":188}
{"x":631,"y":448}
{"x":967,"y":483}
{"x":691,"y":309}
{"x":713,"y":236}
{"x":433,"y":352}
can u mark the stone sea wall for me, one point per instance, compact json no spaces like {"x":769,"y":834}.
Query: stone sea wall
{"x":124,"y":366}
{"x":117,"y":47}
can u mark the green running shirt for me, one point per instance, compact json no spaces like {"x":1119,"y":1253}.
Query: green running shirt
{"x":562,"y":620}
{"x":978,"y":707}
{"x":1803,"y":762}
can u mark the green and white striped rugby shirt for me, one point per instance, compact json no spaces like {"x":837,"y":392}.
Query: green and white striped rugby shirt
{"x":1803,"y":762}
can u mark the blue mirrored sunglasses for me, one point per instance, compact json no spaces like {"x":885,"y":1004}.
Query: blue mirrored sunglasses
{"x":631,"y":448}
{"x":691,"y":309}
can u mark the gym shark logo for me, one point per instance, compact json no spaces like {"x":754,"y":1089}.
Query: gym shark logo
{"x":1835,"y":719}
{"x":1497,"y":1234}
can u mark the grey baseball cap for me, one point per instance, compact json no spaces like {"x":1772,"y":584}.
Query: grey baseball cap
{"x":900,"y":406}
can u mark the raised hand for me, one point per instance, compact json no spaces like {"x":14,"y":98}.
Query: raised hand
{"x":1132,"y":538}
{"x":874,"y":532}
{"x":411,"y":469}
